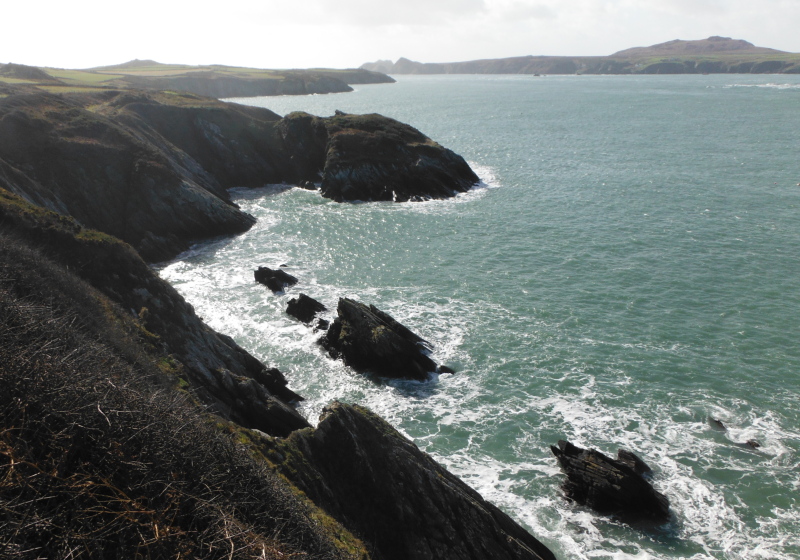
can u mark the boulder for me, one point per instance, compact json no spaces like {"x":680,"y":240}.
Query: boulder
{"x":274,"y":279}
{"x":367,"y":339}
{"x":401,"y":502}
{"x":304,"y":308}
{"x":610,"y":486}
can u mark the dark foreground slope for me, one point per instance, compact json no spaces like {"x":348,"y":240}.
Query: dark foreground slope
{"x":128,"y":427}
{"x":102,"y":455}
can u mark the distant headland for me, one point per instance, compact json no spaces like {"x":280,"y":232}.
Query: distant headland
{"x":211,"y":81}
{"x":715,"y":55}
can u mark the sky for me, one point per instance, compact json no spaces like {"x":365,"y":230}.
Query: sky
{"x":348,"y":33}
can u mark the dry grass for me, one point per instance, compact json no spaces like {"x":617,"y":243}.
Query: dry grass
{"x":101,"y":458}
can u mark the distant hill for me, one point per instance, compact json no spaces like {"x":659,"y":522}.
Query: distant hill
{"x":706,"y":56}
{"x":212,"y":81}
{"x":712,"y":45}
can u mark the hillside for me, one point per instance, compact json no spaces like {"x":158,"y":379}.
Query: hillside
{"x":713,"y":55}
{"x":131,"y":429}
{"x":212,"y":81}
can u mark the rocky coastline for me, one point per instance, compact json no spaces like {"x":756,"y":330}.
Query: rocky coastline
{"x":92,"y":187}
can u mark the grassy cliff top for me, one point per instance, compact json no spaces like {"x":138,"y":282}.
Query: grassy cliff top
{"x":215,"y":80}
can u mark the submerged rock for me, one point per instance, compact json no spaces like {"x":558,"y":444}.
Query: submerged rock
{"x":397,"y":498}
{"x":610,"y":486}
{"x":304,"y":308}
{"x":366,"y":338}
{"x":274,"y":279}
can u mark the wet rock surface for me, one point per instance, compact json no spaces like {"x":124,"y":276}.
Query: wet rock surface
{"x":367,"y":339}
{"x":274,"y":279}
{"x":304,"y":308}
{"x":610,"y":486}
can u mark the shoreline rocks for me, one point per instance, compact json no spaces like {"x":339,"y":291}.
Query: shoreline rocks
{"x":401,"y":502}
{"x":609,"y":486}
{"x":367,"y":339}
{"x":274,"y":279}
{"x":304,"y":308}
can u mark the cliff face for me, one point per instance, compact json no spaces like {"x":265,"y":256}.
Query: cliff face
{"x":74,"y":157}
{"x":113,"y":385}
{"x":221,"y":373}
{"x":102,"y":453}
{"x":153,"y":169}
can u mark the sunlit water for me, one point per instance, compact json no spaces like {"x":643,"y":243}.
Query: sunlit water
{"x":630,"y":268}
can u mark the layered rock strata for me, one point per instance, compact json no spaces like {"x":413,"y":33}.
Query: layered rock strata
{"x":610,"y":486}
{"x":367,"y":339}
{"x":397,"y":498}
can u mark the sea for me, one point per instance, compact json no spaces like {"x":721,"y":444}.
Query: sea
{"x":627,"y":271}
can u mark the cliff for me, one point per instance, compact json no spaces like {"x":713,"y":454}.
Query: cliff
{"x":153,"y":168}
{"x":712,"y":55}
{"x":129,"y":427}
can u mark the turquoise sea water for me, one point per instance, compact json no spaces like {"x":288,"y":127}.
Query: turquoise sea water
{"x":630,"y":268}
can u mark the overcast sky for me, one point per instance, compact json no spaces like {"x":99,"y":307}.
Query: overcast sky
{"x":347,"y":33}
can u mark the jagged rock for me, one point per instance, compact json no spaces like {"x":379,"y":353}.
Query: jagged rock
{"x":609,"y":486}
{"x":274,"y":279}
{"x":304,"y":308}
{"x":366,"y":338}
{"x":634,"y":462}
{"x":396,"y":498}
{"x":322,"y":325}
{"x":275,"y":382}
{"x":154,"y":169}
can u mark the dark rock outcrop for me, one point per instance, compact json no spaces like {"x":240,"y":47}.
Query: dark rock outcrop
{"x":154,"y":169}
{"x":219,"y":372}
{"x":371,"y":157}
{"x":274,"y":279}
{"x":402,"y":503}
{"x":367,"y":339}
{"x":304,"y":308}
{"x":609,"y":486}
{"x":634,"y":462}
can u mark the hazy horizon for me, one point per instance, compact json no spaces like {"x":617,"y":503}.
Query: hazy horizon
{"x":316,"y":33}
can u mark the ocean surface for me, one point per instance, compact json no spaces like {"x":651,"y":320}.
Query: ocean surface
{"x":629,"y":268}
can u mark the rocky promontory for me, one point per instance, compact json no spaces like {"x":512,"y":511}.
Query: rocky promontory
{"x":154,"y":168}
{"x":130,"y":428}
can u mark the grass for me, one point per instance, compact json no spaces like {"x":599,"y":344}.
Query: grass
{"x":103,"y":451}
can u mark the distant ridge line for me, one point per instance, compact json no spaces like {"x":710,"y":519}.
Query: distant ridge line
{"x":713,"y":55}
